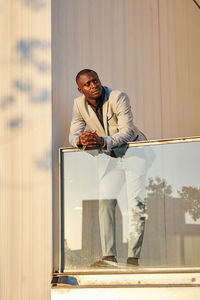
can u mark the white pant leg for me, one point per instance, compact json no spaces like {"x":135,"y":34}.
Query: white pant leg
{"x":112,"y":181}
{"x":107,"y":226}
{"x":109,"y":187}
{"x":135,"y":170}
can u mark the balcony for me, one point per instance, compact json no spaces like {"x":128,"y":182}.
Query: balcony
{"x":155,"y":182}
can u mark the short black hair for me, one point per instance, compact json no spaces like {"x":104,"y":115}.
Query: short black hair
{"x":83,"y":72}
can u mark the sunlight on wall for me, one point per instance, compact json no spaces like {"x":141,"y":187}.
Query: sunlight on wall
{"x":25,"y":145}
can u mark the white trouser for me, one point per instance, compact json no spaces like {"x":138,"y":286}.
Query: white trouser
{"x":132,"y":170}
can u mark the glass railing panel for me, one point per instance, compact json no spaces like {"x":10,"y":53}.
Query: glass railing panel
{"x":143,"y":201}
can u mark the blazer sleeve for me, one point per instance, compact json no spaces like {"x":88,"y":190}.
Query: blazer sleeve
{"x":125,"y":130}
{"x":77,"y":126}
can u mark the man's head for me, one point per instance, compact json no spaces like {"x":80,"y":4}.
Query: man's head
{"x":89,"y":84}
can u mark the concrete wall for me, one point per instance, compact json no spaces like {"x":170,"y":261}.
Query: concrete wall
{"x":25,"y":150}
{"x":147,"y":48}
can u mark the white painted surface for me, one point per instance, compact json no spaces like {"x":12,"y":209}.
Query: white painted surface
{"x":25,"y":150}
{"x":172,"y":293}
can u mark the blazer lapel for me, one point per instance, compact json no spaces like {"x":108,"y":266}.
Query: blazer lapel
{"x":105,"y":115}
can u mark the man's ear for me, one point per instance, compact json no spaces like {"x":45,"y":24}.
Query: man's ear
{"x":80,"y":90}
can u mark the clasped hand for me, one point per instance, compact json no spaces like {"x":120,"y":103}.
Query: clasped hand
{"x":90,"y":139}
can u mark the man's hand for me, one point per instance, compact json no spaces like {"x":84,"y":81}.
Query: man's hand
{"x":90,"y":139}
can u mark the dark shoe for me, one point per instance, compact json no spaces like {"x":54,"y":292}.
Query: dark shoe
{"x":106,"y":262}
{"x":110,"y":258}
{"x":132,"y":262}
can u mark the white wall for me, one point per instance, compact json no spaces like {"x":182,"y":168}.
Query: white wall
{"x":180,"y":67}
{"x":25,"y":150}
{"x":147,"y":48}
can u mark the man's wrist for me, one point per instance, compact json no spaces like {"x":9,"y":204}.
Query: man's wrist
{"x":101,"y":142}
{"x":103,"y":145}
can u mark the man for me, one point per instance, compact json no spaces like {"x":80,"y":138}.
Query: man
{"x":102,"y":118}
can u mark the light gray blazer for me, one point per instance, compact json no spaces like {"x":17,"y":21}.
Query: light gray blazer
{"x":117,"y":119}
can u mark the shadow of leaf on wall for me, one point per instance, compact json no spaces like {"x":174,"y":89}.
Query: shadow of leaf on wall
{"x":15,"y":122}
{"x":44,"y":162}
{"x":7,"y":101}
{"x":36,"y":4}
{"x":30,"y":51}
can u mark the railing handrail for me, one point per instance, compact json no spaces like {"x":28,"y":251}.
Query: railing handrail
{"x":147,"y":142}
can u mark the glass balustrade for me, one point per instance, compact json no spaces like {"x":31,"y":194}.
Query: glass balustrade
{"x":141,"y":200}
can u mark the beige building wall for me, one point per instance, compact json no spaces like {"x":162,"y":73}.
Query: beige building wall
{"x":180,"y":67}
{"x":25,"y":150}
{"x":147,"y":48}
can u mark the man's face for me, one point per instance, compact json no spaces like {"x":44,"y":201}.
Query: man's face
{"x":90,"y":85}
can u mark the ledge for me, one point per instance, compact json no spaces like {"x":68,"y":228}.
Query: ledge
{"x":139,"y":277}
